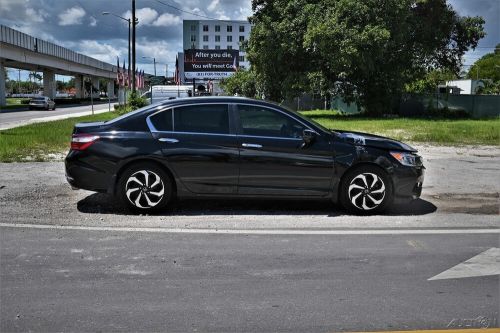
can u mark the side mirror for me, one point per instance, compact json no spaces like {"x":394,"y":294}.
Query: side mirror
{"x":308,"y":136}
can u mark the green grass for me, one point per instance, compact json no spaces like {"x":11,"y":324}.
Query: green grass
{"x":17,"y":101}
{"x":36,"y":142}
{"x":437,"y":131}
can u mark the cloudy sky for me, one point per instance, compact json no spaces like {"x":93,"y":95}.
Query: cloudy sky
{"x":80,"y":26}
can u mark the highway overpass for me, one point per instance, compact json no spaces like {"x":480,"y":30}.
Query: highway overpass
{"x":22,"y":51}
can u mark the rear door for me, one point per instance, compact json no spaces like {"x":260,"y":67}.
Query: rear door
{"x":273,"y":158}
{"x":198,"y":145}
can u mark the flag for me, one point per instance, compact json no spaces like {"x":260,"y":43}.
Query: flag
{"x":176,"y":75}
{"x":136,"y":77}
{"x":118,"y":77}
{"x":234,"y":64}
{"x":125,"y":76}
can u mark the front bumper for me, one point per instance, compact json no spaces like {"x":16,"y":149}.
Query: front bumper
{"x":407,"y":183}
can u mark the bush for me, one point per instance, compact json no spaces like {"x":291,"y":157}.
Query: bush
{"x":135,"y":101}
{"x":122,"y":109}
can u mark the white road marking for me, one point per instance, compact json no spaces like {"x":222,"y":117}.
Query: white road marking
{"x":484,"y":264}
{"x":261,"y":231}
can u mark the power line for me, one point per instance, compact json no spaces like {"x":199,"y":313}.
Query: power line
{"x":196,"y":14}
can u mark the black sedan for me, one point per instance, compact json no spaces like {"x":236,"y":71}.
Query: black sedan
{"x":238,"y":147}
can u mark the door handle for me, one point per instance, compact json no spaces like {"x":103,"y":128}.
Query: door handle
{"x":169,"y":140}
{"x":251,"y":145}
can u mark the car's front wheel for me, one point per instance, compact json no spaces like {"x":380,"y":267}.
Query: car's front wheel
{"x":145,"y":188}
{"x":366,"y":190}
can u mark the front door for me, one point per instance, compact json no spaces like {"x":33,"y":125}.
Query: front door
{"x":273,"y":158}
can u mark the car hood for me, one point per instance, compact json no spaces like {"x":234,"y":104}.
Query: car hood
{"x":370,"y":140}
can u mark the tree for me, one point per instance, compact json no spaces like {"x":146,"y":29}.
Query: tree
{"x":487,"y":67}
{"x":243,"y":83}
{"x":365,"y":51}
{"x":430,"y":81}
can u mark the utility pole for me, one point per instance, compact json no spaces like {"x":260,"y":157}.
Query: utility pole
{"x":133,"y":44}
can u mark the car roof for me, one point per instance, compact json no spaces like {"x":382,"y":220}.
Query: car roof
{"x":216,"y":99}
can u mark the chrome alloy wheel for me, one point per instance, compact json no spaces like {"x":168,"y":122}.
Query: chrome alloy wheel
{"x":366,"y":191}
{"x":144,"y":189}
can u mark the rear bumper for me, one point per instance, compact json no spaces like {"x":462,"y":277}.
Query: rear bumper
{"x":86,"y":176}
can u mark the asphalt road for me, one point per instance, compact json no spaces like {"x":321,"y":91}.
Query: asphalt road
{"x":77,"y":280}
{"x":10,"y":119}
{"x":76,"y":261}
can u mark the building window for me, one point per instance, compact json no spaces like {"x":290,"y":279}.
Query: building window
{"x":205,"y":28}
{"x":242,"y":28}
{"x":217,"y":47}
{"x":217,"y":38}
{"x":193,"y":28}
{"x":205,"y":47}
{"x":229,"y":28}
{"x":229,"y":47}
{"x":193,"y":38}
{"x":217,"y":28}
{"x":242,"y":38}
{"x":242,"y":48}
{"x":229,"y":38}
{"x":242,"y":58}
{"x":205,"y":38}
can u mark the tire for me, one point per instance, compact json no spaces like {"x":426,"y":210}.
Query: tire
{"x":366,"y":190}
{"x":144,"y":188}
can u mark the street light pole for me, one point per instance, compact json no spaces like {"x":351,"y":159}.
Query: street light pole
{"x":133,"y":44}
{"x":154,"y":62}
{"x":129,"y":22}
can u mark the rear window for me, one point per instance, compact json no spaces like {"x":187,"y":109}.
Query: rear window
{"x":162,"y":121}
{"x":211,"y":118}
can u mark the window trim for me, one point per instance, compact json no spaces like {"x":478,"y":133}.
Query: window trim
{"x":234,"y":121}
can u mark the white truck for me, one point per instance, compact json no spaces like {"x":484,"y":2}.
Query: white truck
{"x":160,"y":93}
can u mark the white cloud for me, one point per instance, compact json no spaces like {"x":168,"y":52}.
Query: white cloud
{"x":93,"y":21}
{"x":100,"y":51}
{"x":145,"y":15}
{"x":6,"y":5}
{"x":71,"y":16}
{"x":221,"y":15}
{"x":36,"y":16}
{"x":211,"y":7}
{"x":167,"y":19}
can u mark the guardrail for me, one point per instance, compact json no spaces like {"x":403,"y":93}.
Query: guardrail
{"x":20,"y":39}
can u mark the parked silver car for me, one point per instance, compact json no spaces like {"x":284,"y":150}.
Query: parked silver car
{"x":42,"y":102}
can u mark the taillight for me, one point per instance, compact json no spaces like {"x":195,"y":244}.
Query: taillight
{"x":82,"y":141}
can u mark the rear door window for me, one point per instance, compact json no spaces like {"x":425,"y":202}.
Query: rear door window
{"x":162,"y":121}
{"x":209,"y":118}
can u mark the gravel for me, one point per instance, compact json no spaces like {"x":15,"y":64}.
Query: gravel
{"x":461,"y":189}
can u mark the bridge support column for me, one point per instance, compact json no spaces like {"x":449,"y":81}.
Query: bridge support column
{"x":79,"y":86}
{"x":111,"y":88}
{"x":95,"y":84}
{"x":3,"y":101}
{"x":49,"y":84}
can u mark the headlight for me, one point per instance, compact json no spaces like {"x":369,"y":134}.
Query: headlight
{"x":407,"y":159}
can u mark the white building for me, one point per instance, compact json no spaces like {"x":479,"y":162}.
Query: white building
{"x":466,"y":87}
{"x":215,"y":35}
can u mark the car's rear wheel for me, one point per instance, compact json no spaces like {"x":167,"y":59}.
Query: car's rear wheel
{"x":366,"y":190}
{"x":145,"y":188}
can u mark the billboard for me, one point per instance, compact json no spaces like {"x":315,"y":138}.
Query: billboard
{"x":210,"y":64}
